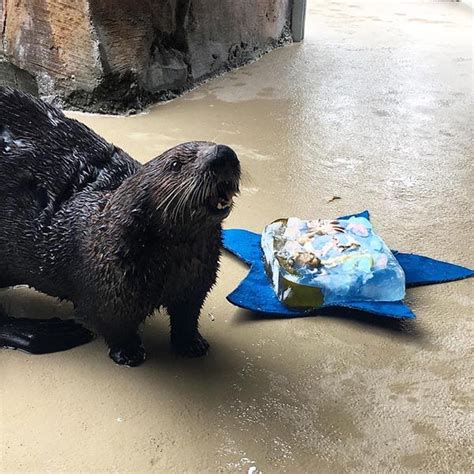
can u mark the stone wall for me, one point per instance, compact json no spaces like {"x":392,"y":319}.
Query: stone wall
{"x":111,"y":56}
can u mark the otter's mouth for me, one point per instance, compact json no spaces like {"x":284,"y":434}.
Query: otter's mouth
{"x":222,"y":201}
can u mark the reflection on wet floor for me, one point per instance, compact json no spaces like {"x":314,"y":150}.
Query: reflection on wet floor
{"x":374,"y":108}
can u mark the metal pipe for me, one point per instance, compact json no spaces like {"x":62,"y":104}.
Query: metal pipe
{"x":298,"y":16}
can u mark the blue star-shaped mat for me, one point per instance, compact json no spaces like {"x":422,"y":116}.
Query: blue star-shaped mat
{"x":256,"y":294}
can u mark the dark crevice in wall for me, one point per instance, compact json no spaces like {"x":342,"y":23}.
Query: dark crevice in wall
{"x":13,"y":76}
{"x":124,"y":93}
{"x":3,"y":16}
{"x":142,"y":51}
{"x":184,"y":10}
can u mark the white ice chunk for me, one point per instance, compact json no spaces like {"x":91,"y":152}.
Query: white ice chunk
{"x":325,"y":262}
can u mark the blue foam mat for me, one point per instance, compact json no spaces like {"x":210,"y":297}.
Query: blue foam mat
{"x":256,"y":294}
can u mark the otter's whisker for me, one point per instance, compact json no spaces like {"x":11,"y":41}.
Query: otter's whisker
{"x":169,"y":199}
{"x":181,"y":202}
{"x":191,"y":184}
{"x":246,"y":178}
{"x":202,"y":193}
{"x":180,"y":199}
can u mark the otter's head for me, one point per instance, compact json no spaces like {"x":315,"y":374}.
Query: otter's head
{"x":195,"y":182}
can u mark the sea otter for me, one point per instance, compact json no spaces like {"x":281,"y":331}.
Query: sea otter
{"x":82,"y":221}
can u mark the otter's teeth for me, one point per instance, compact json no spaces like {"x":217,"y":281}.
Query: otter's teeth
{"x":224,"y":204}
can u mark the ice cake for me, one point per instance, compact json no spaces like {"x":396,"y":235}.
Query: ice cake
{"x":316,"y":262}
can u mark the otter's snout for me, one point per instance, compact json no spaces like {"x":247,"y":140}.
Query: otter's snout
{"x":224,"y":167}
{"x":223,"y":162}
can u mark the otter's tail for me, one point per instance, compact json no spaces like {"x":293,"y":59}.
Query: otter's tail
{"x":42,"y":336}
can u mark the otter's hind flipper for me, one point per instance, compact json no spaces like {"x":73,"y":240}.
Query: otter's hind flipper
{"x":42,"y":336}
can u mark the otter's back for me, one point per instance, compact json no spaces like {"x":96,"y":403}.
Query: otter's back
{"x":46,"y":159}
{"x":60,"y":152}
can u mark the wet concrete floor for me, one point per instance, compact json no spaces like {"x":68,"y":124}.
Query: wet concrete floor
{"x":376,"y":108}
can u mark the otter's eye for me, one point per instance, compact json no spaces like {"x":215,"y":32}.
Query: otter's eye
{"x":176,"y":166}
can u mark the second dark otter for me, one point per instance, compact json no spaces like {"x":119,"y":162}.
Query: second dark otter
{"x":82,"y":221}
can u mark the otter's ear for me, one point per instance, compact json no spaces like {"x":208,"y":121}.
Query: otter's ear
{"x":130,"y":213}
{"x":130,"y":205}
{"x":139,"y":208}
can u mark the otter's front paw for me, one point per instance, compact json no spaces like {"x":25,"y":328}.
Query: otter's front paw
{"x":196,"y":347}
{"x":130,"y":355}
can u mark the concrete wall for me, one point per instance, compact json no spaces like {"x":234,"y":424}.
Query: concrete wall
{"x":109,"y":55}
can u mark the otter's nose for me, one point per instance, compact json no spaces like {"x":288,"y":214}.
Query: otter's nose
{"x":223,"y":159}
